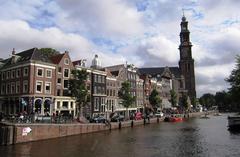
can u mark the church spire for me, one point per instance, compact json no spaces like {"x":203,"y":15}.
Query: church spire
{"x":186,"y":63}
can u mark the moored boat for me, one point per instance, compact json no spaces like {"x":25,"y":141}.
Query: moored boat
{"x":234,"y":121}
{"x":173,"y":118}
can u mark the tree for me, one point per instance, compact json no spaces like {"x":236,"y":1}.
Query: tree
{"x":125,"y":94}
{"x":234,"y":81}
{"x":155,"y":99}
{"x":207,"y":100}
{"x":184,"y":102}
{"x":49,"y":52}
{"x":77,"y":86}
{"x":173,"y":98}
{"x":223,"y":100}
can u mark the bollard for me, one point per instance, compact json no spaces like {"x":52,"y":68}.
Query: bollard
{"x":132,"y":123}
{"x":119,"y":125}
{"x":144,"y":121}
{"x":157,"y":119}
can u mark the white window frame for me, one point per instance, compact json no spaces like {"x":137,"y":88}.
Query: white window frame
{"x":3,"y":88}
{"x":8,"y":75}
{"x":42,"y":72}
{"x":64,"y":84}
{"x":13,"y":72}
{"x":17,"y":76}
{"x":41,"y":86}
{"x":18,"y":85}
{"x":60,"y":82}
{"x":50,"y":84}
{"x":47,"y":70}
{"x":58,"y":70}
{"x":8,"y":91}
{"x":3,"y":75}
{"x":25,"y":82}
{"x":96,"y":104}
{"x":66,"y":61}
{"x":68,"y":72}
{"x":25,"y":74}
{"x":12,"y":91}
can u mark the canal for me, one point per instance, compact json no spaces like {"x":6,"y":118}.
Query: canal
{"x":194,"y":137}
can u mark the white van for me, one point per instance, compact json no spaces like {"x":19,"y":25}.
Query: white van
{"x":159,"y":113}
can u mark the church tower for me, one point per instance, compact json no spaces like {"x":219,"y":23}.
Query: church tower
{"x":186,"y":63}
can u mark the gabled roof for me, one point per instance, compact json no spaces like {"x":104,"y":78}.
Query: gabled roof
{"x":57,"y":58}
{"x":31,"y":54}
{"x":154,"y":71}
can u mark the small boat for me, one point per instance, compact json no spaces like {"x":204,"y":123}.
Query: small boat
{"x":176,"y":119}
{"x":173,"y":119}
{"x":234,"y":121}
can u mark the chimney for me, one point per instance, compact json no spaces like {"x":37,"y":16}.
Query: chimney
{"x":13,"y":51}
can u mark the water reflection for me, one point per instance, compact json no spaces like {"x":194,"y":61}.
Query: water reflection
{"x":195,"y":137}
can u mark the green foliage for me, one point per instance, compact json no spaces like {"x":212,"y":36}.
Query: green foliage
{"x":155,"y":99}
{"x":184,"y":102}
{"x":173,"y":97}
{"x":125,"y":95}
{"x":77,"y":86}
{"x":48,"y":51}
{"x":234,"y":81}
{"x":207,"y":100}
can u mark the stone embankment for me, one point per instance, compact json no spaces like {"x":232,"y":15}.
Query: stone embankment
{"x":18,"y":133}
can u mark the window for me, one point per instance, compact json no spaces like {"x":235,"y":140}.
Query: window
{"x":95,"y":78}
{"x":3,"y":75}
{"x":48,"y":87}
{"x":39,"y":87}
{"x":12,"y":88}
{"x":8,"y":74}
{"x":25,"y":86}
{"x":65,"y":84}
{"x":65,"y":104}
{"x":59,"y":81}
{"x":71,"y":104}
{"x":59,"y":69}
{"x":18,"y":87}
{"x":66,"y":61}
{"x":8,"y":89}
{"x":58,"y":92}
{"x":25,"y":71}
{"x":58,"y":104}
{"x":3,"y":89}
{"x":18,"y":73}
{"x":40,"y":72}
{"x":13,"y":74}
{"x":96,"y":104}
{"x":99,"y":79}
{"x":49,"y":73}
{"x":66,"y":73}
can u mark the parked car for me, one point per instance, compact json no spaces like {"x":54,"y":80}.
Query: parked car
{"x":117,"y":118}
{"x":98,"y":119}
{"x":138,"y":116}
{"x":159,"y":114}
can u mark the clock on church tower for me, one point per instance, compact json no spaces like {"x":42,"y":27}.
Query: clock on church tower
{"x":186,"y":63}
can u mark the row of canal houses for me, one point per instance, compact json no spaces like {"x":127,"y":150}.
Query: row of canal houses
{"x":36,"y":81}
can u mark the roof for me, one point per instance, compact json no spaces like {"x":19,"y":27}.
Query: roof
{"x":31,"y":54}
{"x":153,"y":71}
{"x":57,"y":58}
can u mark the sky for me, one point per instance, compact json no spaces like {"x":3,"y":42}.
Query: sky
{"x":142,"y":32}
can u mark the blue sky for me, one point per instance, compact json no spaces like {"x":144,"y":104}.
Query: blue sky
{"x":141,"y":32}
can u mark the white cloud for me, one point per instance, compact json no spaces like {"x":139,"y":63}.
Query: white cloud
{"x":107,"y":18}
{"x":149,"y":37}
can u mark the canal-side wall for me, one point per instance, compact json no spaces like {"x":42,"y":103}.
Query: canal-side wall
{"x":20,"y":133}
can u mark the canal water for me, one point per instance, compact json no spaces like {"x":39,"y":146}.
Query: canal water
{"x":194,"y":137}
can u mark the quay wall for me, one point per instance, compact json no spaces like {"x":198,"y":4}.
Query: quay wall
{"x":20,"y":133}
